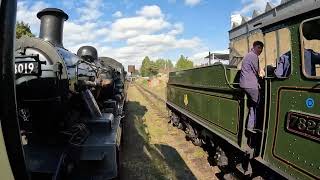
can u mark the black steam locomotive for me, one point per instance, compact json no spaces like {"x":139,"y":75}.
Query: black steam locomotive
{"x":70,"y":105}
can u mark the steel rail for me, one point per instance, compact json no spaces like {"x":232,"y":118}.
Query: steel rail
{"x":151,"y":93}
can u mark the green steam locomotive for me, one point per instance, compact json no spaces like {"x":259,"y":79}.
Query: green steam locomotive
{"x":207,"y":103}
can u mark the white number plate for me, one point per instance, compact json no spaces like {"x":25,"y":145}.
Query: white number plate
{"x":26,"y":68}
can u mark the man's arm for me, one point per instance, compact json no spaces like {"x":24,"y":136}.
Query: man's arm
{"x":279,"y":70}
{"x":261,"y":73}
{"x":254,"y":64}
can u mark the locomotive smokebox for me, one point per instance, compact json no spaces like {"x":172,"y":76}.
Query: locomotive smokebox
{"x":51,"y":28}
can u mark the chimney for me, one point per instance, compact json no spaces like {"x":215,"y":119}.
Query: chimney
{"x":51,"y":28}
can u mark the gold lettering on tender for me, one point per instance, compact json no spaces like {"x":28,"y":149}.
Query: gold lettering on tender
{"x":185,"y":100}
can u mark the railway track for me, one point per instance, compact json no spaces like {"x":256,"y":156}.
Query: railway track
{"x":147,"y":94}
{"x":151,"y":93}
{"x":194,"y":156}
{"x":151,"y":98}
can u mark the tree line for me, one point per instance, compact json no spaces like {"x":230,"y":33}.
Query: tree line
{"x":23,"y":29}
{"x":151,"y":68}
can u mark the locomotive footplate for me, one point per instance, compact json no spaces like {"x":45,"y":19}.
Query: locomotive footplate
{"x":98,"y":154}
{"x":96,"y":157}
{"x":43,"y":160}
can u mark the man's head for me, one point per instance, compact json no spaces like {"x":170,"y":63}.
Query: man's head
{"x":257,"y":47}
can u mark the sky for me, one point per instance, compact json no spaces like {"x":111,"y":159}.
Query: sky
{"x":129,"y":30}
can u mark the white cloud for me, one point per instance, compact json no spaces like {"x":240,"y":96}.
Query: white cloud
{"x":177,"y":29}
{"x":117,"y":14}
{"x":192,"y":43}
{"x":165,"y":40}
{"x":155,"y":45}
{"x":91,"y":10}
{"x":250,"y":5}
{"x":192,"y":2}
{"x":150,"y":11}
{"x":151,"y":40}
{"x":148,"y":33}
{"x":75,"y":34}
{"x":236,"y":19}
{"x":28,"y":13}
{"x":125,"y":28}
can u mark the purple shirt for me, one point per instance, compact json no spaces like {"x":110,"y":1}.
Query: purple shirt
{"x":250,"y":71}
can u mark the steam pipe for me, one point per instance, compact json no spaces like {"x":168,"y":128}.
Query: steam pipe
{"x":91,"y":104}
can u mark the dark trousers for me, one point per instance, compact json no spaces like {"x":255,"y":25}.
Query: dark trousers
{"x":254,"y":98}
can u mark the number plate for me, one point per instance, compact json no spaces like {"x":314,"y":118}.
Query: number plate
{"x":305,"y":125}
{"x":27,"y":68}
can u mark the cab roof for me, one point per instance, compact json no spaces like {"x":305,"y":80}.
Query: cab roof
{"x":272,"y":15}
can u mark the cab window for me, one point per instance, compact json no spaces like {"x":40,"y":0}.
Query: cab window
{"x":278,"y":53}
{"x":310,"y":50}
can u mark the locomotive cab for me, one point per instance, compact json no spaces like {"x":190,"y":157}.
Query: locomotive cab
{"x":288,"y":114}
{"x":291,"y":128}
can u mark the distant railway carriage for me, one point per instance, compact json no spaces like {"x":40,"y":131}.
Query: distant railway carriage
{"x":208,"y":104}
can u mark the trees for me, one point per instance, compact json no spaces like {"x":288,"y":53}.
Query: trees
{"x":145,"y":66}
{"x":23,"y":29}
{"x":164,"y":65}
{"x":154,"y":69}
{"x":169,"y":66}
{"x":184,"y":63}
{"x":160,"y":63}
{"x":150,"y":68}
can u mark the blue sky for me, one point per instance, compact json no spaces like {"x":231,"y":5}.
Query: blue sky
{"x":128,"y":30}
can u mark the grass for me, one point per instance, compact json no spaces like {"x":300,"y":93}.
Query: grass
{"x":153,"y":147}
{"x":158,"y":165}
{"x":159,"y":90}
{"x":199,"y":153}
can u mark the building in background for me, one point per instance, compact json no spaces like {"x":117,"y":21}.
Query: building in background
{"x":131,"y":69}
{"x":211,"y":59}
{"x":214,"y":58}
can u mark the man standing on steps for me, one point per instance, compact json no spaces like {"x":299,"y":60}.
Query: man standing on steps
{"x":249,"y":81}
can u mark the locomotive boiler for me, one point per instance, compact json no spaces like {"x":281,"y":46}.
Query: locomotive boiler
{"x":70,"y":126}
